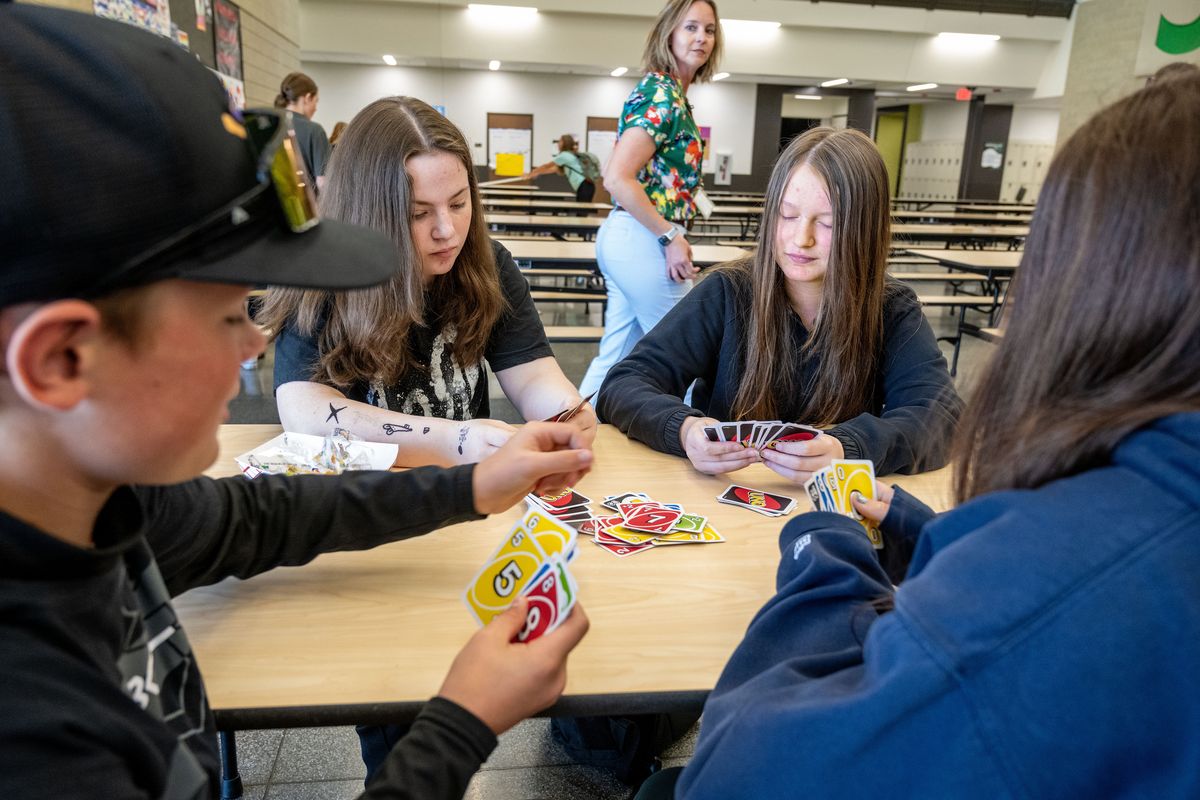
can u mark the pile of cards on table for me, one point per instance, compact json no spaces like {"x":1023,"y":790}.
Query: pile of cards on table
{"x":760,"y":435}
{"x":531,"y":561}
{"x":759,"y":500}
{"x":830,"y":489}
{"x":639,"y":523}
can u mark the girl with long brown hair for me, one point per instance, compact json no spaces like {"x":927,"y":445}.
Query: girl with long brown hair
{"x":807,"y":330}
{"x":405,"y":362}
{"x":1045,"y":640}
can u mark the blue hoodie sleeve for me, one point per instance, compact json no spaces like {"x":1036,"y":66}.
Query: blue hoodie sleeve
{"x":803,"y":710}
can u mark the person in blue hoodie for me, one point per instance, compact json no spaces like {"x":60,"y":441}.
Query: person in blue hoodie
{"x":1045,"y":639}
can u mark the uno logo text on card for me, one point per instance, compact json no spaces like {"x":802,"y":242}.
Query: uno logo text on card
{"x":752,"y":497}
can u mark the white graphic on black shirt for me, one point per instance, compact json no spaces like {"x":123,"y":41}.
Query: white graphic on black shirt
{"x":447,"y":390}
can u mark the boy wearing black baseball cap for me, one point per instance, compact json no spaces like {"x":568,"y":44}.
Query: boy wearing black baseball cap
{"x":135,"y":211}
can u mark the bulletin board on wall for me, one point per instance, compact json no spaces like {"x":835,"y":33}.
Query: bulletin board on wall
{"x":509,"y":145}
{"x":192,"y":28}
{"x":600,"y":137}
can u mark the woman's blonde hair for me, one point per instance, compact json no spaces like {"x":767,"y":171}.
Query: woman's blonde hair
{"x":657,"y":56}
{"x":847,"y":339}
{"x":366,"y":331}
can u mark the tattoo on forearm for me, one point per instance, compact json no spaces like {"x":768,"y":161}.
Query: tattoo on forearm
{"x":462,"y":438}
{"x":333,"y":413}
{"x":425,"y":430}
{"x":389,"y":428}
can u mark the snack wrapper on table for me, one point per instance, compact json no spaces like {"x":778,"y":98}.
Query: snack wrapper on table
{"x":305,"y":454}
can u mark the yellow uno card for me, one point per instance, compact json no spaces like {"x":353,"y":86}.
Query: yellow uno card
{"x":504,"y":574}
{"x":857,"y":476}
{"x":629,"y":535}
{"x":709,"y":534}
{"x":553,"y":536}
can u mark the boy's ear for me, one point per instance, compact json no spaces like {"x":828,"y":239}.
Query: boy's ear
{"x":47,"y":352}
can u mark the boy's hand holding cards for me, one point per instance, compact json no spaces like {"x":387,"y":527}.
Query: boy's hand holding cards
{"x":832,"y":487}
{"x":531,"y":561}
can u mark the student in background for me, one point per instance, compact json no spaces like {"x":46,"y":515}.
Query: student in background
{"x":654,"y":178}
{"x":298,"y":94}
{"x":808,"y":329}
{"x":1044,"y":642}
{"x":407,"y":362}
{"x":582,"y":170}
{"x":338,"y":129}
{"x":122,"y":324}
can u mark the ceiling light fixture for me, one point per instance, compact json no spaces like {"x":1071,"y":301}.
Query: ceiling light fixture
{"x":834,"y":82}
{"x":966,"y":39}
{"x":619,"y":71}
{"x":720,"y":76}
{"x":389,"y":60}
{"x":921,"y":87}
{"x":749,"y":27}
{"x":505,"y":16}
{"x":493,"y":65}
{"x":808,"y":97}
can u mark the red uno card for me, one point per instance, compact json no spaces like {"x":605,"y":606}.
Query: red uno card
{"x":621,"y":550}
{"x":652,"y":520}
{"x":757,"y":500}
{"x":564,"y":499}
{"x":542,"y":615}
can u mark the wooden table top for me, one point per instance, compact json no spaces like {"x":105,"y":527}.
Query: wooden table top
{"x":534,"y":250}
{"x":994,"y":260}
{"x":333,"y":639}
{"x":960,"y":231}
{"x":966,"y":216}
{"x":518,"y":190}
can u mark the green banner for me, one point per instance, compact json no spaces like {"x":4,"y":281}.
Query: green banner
{"x":1177,"y":39}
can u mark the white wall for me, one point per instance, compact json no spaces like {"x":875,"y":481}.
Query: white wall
{"x":559,"y":103}
{"x":944,"y":122}
{"x":1034,"y":125}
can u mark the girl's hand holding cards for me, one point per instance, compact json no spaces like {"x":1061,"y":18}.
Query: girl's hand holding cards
{"x":710,"y":457}
{"x":874,"y":510}
{"x":797,"y":461}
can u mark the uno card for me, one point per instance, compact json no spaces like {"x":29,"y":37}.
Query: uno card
{"x":651,"y":519}
{"x":569,"y":413}
{"x":814,"y":493}
{"x":613,"y":501}
{"x":551,"y":534}
{"x":791,"y":432}
{"x":542,"y":614}
{"x":628,"y":535}
{"x":831,"y":485}
{"x":772,"y":505}
{"x":707,"y":535}
{"x":505,"y":573}
{"x":854,"y":475}
{"x":623,"y":550}
{"x":712,"y":433}
{"x":693,"y":523}
{"x":567,"y":498}
{"x":729,"y":431}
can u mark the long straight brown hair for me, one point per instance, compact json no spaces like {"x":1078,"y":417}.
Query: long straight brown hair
{"x":367,"y":330}
{"x":1104,"y":331}
{"x":848,"y":336}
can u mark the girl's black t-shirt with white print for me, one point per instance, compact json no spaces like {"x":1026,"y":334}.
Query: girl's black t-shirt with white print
{"x":447,"y":389}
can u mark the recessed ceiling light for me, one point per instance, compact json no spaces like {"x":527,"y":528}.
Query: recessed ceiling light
{"x":966,"y":38}
{"x":389,"y":60}
{"x":720,"y":76}
{"x":619,"y":71}
{"x":921,"y":87}
{"x":493,"y":65}
{"x":835,"y":82}
{"x":808,"y":97}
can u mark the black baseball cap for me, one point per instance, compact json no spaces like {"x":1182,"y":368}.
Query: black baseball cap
{"x":115,"y":140}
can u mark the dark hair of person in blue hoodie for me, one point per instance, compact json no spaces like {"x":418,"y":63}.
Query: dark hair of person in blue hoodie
{"x":1044,"y":640}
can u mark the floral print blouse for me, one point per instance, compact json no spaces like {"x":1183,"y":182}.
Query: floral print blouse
{"x":671,"y":178}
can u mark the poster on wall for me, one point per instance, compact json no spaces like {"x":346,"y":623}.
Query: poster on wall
{"x":601,"y":144}
{"x":203,"y":9}
{"x":706,"y":137}
{"x":227,"y":26}
{"x":153,"y":15}
{"x":723,"y":174}
{"x":510,"y":150}
{"x":235,"y":89}
{"x":992,"y":156}
{"x":1170,"y":32}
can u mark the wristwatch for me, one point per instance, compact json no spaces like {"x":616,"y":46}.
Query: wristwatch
{"x":666,"y":238}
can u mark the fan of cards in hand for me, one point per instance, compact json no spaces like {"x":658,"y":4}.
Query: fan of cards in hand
{"x":531,"y":561}
{"x":639,"y":523}
{"x":831,"y":488}
{"x":760,"y":435}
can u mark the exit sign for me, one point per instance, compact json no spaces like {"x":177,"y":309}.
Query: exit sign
{"x":963,"y":93}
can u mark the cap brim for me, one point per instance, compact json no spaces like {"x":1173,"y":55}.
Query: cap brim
{"x":331,"y":255}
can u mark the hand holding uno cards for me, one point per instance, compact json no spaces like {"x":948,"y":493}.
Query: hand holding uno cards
{"x":831,"y":488}
{"x":760,"y":435}
{"x":532,"y":561}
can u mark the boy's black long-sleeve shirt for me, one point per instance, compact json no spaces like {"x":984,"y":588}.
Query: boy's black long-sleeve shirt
{"x":101,"y":696}
{"x":703,"y":339}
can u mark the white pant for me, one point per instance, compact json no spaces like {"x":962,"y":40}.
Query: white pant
{"x":634,"y":266}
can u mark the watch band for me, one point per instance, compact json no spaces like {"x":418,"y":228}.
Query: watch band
{"x":667,"y":237}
